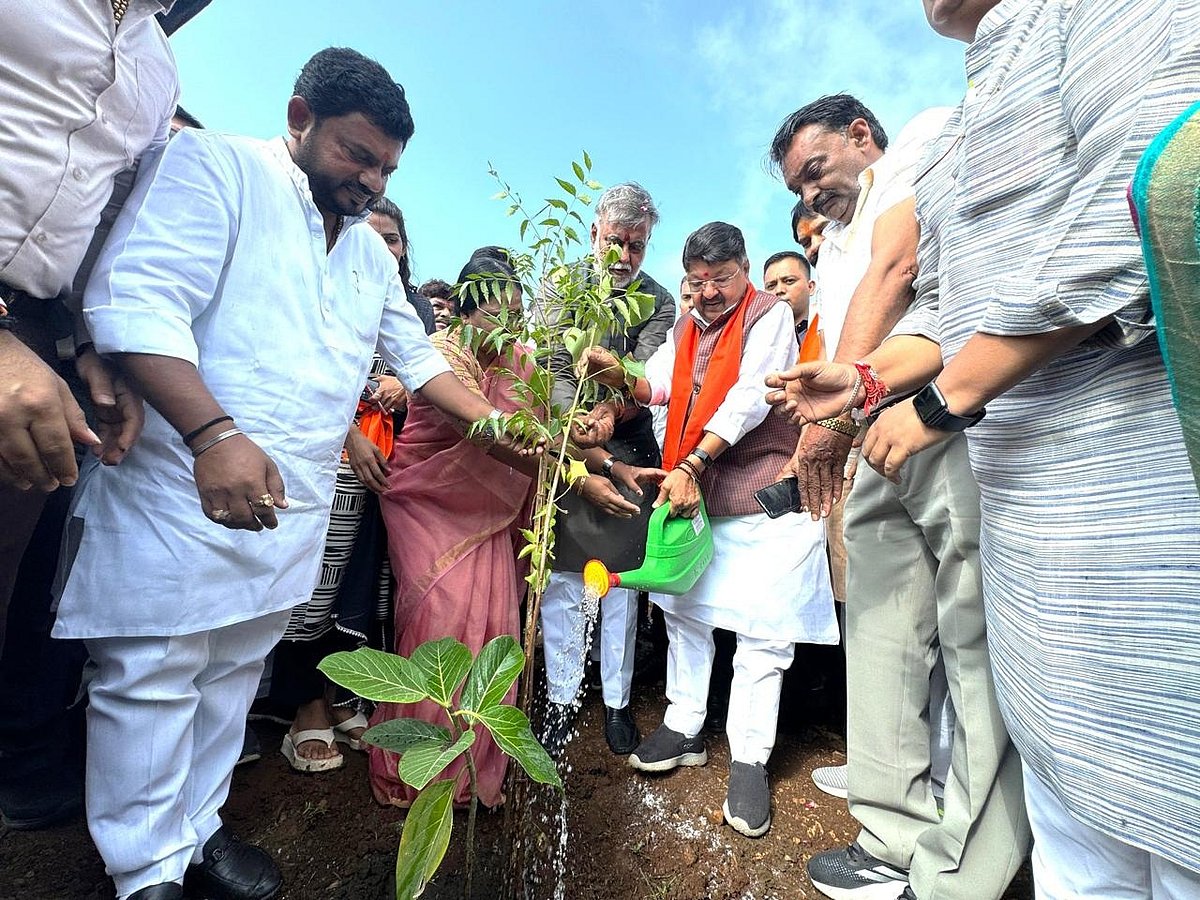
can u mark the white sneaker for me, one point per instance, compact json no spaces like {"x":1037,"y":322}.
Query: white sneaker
{"x":832,"y":780}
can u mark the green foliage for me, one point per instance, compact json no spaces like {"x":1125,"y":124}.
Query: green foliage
{"x":424,"y":840}
{"x":438,"y":671}
{"x":374,"y":675}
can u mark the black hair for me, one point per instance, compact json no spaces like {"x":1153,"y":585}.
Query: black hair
{"x":715,"y":242}
{"x":833,"y":112}
{"x":339,"y":81}
{"x":436,"y":289}
{"x":385,"y":207}
{"x":788,"y":254}
{"x":483,"y":277}
{"x":186,"y":117}
{"x":800,"y":211}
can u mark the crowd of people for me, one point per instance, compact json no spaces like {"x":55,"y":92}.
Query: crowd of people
{"x":953,"y":383}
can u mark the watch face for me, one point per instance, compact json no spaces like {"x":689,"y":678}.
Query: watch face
{"x":930,"y":406}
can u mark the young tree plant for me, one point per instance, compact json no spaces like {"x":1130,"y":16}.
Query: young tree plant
{"x":472,"y":691}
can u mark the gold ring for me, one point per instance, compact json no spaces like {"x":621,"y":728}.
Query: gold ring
{"x":220,"y":515}
{"x":266,"y":501}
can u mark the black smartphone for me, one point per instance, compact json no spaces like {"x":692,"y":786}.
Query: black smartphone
{"x":780,"y":498}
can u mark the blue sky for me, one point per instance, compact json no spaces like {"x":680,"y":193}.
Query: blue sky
{"x":681,"y":96}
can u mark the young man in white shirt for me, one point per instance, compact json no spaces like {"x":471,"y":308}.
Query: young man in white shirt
{"x":244,"y":292}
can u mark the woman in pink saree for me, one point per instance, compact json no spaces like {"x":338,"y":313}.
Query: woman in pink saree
{"x":453,"y":512}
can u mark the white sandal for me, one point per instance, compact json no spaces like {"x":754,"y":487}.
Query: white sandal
{"x":304,"y":763}
{"x":341,"y":732}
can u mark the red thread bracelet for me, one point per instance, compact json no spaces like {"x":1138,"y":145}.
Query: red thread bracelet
{"x":873,"y":386}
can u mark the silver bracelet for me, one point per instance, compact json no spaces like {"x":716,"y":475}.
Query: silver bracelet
{"x":212,"y":442}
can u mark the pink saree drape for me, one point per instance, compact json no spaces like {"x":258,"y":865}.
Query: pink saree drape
{"x":452,"y":515}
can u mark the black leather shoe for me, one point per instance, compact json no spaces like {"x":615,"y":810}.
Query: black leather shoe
{"x":234,"y":870}
{"x":168,"y":891}
{"x":621,"y":731}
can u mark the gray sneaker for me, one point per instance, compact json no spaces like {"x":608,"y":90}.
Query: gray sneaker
{"x":833,"y":780}
{"x":854,"y":874}
{"x":666,"y":749}
{"x":748,"y":802}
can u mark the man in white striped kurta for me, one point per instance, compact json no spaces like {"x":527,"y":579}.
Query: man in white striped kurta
{"x":1033,"y":287}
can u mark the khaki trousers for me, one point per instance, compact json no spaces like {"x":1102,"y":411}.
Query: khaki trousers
{"x":914,"y":585}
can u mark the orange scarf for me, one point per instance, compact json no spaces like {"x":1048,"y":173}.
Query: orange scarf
{"x":377,"y":425}
{"x":810,"y":350}
{"x":686,"y":426}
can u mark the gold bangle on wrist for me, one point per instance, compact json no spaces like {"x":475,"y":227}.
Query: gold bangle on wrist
{"x":841,"y":426}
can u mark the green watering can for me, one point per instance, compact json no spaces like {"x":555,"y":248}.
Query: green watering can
{"x":677,"y":553}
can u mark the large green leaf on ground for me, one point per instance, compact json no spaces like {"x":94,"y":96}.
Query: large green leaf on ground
{"x":510,"y":727}
{"x":443,"y":664}
{"x":400,"y":735}
{"x":424,"y":840}
{"x":424,"y":762}
{"x":498,"y":665}
{"x":375,"y":675}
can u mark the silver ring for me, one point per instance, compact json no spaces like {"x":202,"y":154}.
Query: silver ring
{"x":266,"y":501}
{"x":220,"y":515}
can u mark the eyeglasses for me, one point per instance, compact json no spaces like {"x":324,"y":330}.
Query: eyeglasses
{"x":721,"y":282}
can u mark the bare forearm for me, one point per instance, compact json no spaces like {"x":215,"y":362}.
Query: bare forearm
{"x":906,"y":362}
{"x":886,"y":290}
{"x":988,"y":364}
{"x":173,"y":387}
{"x":448,"y":394}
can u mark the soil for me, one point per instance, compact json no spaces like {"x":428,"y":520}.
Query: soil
{"x":630,"y":836}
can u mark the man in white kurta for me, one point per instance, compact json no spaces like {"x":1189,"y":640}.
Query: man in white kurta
{"x":768,"y":582}
{"x":227,"y":258}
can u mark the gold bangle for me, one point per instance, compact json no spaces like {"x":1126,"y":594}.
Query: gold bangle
{"x":841,"y":426}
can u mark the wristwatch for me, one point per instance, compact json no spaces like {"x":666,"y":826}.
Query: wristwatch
{"x":931,"y":407}
{"x":608,"y":464}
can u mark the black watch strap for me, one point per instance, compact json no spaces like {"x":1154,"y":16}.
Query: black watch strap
{"x":931,"y":407}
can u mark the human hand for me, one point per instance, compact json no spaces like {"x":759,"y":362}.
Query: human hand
{"x":38,"y":421}
{"x":681,"y":491}
{"x":120,"y":412}
{"x":633,"y":477}
{"x":599,"y":491}
{"x":595,"y":427}
{"x":367,"y":461}
{"x":239,"y":485}
{"x":809,"y":392}
{"x":897,"y":434}
{"x":819,"y":464}
{"x":391,"y":396}
{"x":604,"y":367}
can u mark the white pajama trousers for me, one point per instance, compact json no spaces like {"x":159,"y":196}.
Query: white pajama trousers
{"x":564,"y":634}
{"x":166,"y":718}
{"x":1073,"y":861}
{"x":758,"y":667}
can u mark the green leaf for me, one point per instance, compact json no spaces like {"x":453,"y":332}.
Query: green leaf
{"x":557,"y":204}
{"x":424,"y":762}
{"x":500,"y":195}
{"x":376,"y":675}
{"x":524,"y":228}
{"x":566,"y":186}
{"x":400,"y":735}
{"x":571,"y":233}
{"x":634,"y":368}
{"x":498,"y":665}
{"x":594,"y":185}
{"x":424,"y":840}
{"x":510,"y":728}
{"x":444,"y":664}
{"x":587,"y":161}
{"x":579,"y":172}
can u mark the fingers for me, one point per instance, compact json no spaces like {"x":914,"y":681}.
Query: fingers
{"x":275,"y":485}
{"x":825,"y":487}
{"x":120,"y":424}
{"x":663,"y":494}
{"x":372,"y":471}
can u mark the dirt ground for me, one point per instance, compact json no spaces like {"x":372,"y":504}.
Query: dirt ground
{"x":630,"y":836}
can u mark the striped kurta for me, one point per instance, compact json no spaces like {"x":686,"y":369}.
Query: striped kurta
{"x":1091,"y":520}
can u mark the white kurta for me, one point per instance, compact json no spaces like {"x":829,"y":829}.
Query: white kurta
{"x":219,"y":258}
{"x":769,"y":578}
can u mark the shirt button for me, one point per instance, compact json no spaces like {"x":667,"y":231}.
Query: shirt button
{"x":695,"y":389}
{"x":78,"y":174}
{"x":40,"y":237}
